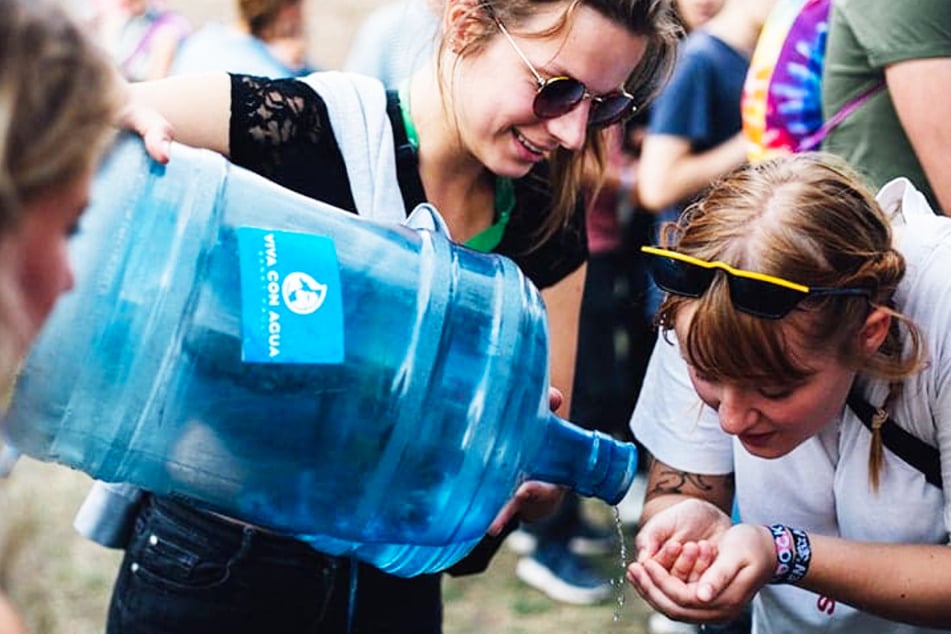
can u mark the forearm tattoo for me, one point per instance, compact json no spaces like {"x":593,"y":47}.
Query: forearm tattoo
{"x":666,"y":480}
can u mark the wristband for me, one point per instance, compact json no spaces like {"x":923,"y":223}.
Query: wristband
{"x":793,"y":553}
{"x":803,"y":555}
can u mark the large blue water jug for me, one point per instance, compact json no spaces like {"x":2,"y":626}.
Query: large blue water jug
{"x":374,"y":389}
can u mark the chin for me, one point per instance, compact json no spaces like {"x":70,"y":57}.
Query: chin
{"x":767,"y":450}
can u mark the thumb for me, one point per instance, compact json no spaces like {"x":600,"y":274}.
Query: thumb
{"x":716,"y":578}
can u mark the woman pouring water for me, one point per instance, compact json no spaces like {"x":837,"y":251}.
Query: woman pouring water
{"x":495,"y":132}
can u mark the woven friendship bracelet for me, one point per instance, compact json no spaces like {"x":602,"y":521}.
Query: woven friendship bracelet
{"x":793,"y":553}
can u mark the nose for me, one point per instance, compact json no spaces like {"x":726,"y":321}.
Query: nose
{"x":571,"y":128}
{"x":736,"y":410}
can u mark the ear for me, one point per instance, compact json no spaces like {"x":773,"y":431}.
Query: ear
{"x":460,"y":22}
{"x":874,"y":331}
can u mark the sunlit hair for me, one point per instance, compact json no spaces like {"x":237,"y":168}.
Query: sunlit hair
{"x":807,"y":218}
{"x":652,"y":19}
{"x":58,"y":99}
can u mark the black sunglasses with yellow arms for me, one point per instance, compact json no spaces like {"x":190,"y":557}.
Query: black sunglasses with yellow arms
{"x":757,"y":294}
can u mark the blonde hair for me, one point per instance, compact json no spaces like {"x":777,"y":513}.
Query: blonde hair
{"x":653,"y":19}
{"x":807,"y":218}
{"x":58,"y":97}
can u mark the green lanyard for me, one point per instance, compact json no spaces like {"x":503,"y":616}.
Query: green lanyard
{"x":488,"y":238}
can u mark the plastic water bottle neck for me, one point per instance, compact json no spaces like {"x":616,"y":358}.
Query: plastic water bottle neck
{"x":591,"y":462}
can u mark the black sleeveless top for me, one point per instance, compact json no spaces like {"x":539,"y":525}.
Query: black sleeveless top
{"x":281,"y":130}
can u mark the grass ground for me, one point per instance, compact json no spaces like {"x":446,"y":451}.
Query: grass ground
{"x":61,"y":582}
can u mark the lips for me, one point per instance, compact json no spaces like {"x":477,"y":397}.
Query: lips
{"x":528,"y":145}
{"x":756,"y":441}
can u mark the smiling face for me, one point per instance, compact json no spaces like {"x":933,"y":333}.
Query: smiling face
{"x":494,"y":89}
{"x":771,"y":419}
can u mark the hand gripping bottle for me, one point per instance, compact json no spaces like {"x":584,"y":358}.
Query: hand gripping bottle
{"x":375,"y":390}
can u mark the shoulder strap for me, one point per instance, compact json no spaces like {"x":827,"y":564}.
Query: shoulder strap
{"x":813,"y":140}
{"x":909,"y":448}
{"x":407,"y":165}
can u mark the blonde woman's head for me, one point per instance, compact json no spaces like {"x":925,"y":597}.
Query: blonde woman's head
{"x":58,"y":97}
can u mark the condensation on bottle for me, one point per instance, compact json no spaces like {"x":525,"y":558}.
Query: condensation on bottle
{"x":372,"y":389}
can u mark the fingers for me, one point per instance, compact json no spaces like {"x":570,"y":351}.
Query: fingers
{"x":158,"y":144}
{"x":504,"y":517}
{"x":721,"y":574}
{"x":708,"y":553}
{"x":532,"y":501}
{"x":675,"y":598}
{"x":154,"y":129}
{"x":555,"y":398}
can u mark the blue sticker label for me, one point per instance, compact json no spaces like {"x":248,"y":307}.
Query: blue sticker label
{"x":291,"y":300}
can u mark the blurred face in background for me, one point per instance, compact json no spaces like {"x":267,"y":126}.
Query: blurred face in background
{"x":696,"y":13}
{"x":134,"y":7}
{"x":38,"y":251}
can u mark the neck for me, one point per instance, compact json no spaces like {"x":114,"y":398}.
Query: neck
{"x":455,"y":181}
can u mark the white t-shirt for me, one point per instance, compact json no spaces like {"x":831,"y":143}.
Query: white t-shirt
{"x":823,"y":485}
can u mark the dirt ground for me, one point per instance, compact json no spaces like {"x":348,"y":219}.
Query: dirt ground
{"x":61,"y":583}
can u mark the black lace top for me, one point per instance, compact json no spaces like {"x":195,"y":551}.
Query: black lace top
{"x":280,"y":129}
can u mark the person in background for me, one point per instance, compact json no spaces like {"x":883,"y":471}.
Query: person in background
{"x":395,"y":40}
{"x":903,"y":130}
{"x":694,"y":134}
{"x":142,"y":36}
{"x":267,"y":39}
{"x":58,"y":98}
{"x":694,"y":14}
{"x":805,"y":330}
{"x":499,"y":126}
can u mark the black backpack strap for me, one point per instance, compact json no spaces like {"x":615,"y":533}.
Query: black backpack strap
{"x":909,"y":448}
{"x":407,"y":165}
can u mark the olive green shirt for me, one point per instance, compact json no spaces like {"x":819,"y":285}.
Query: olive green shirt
{"x":865,"y":36}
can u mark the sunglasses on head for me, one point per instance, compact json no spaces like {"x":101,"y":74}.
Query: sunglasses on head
{"x":558,"y":96}
{"x":756,"y":294}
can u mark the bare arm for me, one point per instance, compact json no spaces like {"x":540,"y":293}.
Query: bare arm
{"x":563,"y":302}
{"x":164,"y":47}
{"x":194,"y":110}
{"x":901,"y":582}
{"x":669,"y":171}
{"x":667,"y":486}
{"x":919,"y":89}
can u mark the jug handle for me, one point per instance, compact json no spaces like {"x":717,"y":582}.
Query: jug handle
{"x":426,"y":217}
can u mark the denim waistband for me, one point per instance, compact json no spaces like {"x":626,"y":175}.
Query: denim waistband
{"x":231,"y":533}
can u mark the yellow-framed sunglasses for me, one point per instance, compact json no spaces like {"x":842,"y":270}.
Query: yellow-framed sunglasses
{"x":757,"y":294}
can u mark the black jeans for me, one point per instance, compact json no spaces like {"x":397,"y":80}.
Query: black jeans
{"x":186,"y":571}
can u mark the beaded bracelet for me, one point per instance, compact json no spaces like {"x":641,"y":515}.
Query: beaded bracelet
{"x":793,"y":553}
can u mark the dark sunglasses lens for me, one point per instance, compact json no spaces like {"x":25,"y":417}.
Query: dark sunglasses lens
{"x":679,"y":278}
{"x":558,"y":97}
{"x":763,"y":299}
{"x":610,"y":110}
